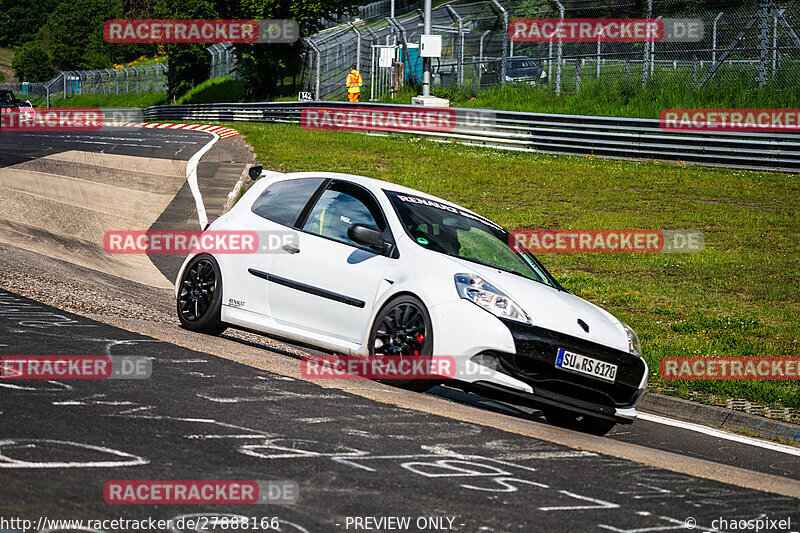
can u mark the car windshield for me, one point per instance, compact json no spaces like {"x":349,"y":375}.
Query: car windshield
{"x":524,"y":63}
{"x":6,"y":97}
{"x":458,"y":233}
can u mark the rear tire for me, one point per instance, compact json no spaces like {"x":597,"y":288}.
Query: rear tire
{"x":200,"y":296}
{"x":579,"y":422}
{"x":403,"y":327}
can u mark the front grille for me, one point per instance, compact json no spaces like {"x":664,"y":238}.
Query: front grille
{"x":534,"y":363}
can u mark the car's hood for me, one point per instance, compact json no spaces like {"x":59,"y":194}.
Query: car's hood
{"x":527,"y":71}
{"x":554,"y":309}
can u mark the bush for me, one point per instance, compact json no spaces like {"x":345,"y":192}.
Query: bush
{"x":32,"y":63}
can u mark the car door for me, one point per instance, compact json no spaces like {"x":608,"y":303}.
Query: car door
{"x":329,"y":285}
{"x":274,"y":212}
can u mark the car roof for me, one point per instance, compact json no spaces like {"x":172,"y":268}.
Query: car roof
{"x":376,"y":185}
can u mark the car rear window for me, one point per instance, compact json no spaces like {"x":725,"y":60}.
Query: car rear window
{"x":282,"y":202}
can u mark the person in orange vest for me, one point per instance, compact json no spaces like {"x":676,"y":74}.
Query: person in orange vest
{"x":354,"y":83}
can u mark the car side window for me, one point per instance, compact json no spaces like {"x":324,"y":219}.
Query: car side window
{"x":283,"y":201}
{"x":338,"y":208}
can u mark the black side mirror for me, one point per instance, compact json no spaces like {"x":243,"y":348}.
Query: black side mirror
{"x":365,"y":235}
{"x":255,"y":172}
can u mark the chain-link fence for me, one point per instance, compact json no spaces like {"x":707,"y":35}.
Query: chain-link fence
{"x":748,"y":43}
{"x":136,"y":79}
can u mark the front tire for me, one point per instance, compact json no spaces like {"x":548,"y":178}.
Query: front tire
{"x":403,"y":328}
{"x":579,"y":422}
{"x":200,"y":296}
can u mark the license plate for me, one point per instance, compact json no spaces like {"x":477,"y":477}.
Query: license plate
{"x":589,"y":366}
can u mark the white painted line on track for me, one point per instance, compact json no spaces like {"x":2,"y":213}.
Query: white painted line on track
{"x":191,"y":177}
{"x":722,"y":434}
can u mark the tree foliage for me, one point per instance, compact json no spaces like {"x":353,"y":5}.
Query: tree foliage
{"x":32,"y":63}
{"x":188,"y":64}
{"x":68,"y":35}
{"x":73,"y":34}
{"x":263,"y":66}
{"x":20,"y":20}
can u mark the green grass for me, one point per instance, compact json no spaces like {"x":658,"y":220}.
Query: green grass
{"x":214,"y":90}
{"x":6,"y":55}
{"x":738,"y":297}
{"x":104,"y":100}
{"x":613,"y":96}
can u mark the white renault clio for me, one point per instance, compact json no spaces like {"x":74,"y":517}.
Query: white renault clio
{"x":380,"y":269}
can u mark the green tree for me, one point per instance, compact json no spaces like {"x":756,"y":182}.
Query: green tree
{"x":263,"y":66}
{"x":188,"y":64}
{"x":20,"y":20}
{"x":32,"y":63}
{"x":73,"y":34}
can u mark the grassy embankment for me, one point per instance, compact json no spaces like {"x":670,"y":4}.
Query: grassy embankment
{"x":612,"y":96}
{"x":214,"y":90}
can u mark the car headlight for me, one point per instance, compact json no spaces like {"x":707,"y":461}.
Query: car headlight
{"x":484,"y":294}
{"x":543,"y":74}
{"x":509,"y":78}
{"x":634,"y":345}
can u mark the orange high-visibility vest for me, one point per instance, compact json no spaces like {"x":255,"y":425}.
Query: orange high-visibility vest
{"x":354,"y":82}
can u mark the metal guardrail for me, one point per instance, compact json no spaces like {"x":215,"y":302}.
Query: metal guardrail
{"x":611,"y":137}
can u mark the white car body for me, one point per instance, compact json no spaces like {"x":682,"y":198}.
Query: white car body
{"x":461,"y":328}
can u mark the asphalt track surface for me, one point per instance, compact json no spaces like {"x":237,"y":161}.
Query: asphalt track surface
{"x":18,"y":147}
{"x":201,"y":416}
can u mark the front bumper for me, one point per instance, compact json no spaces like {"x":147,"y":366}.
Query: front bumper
{"x":534,"y":364}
